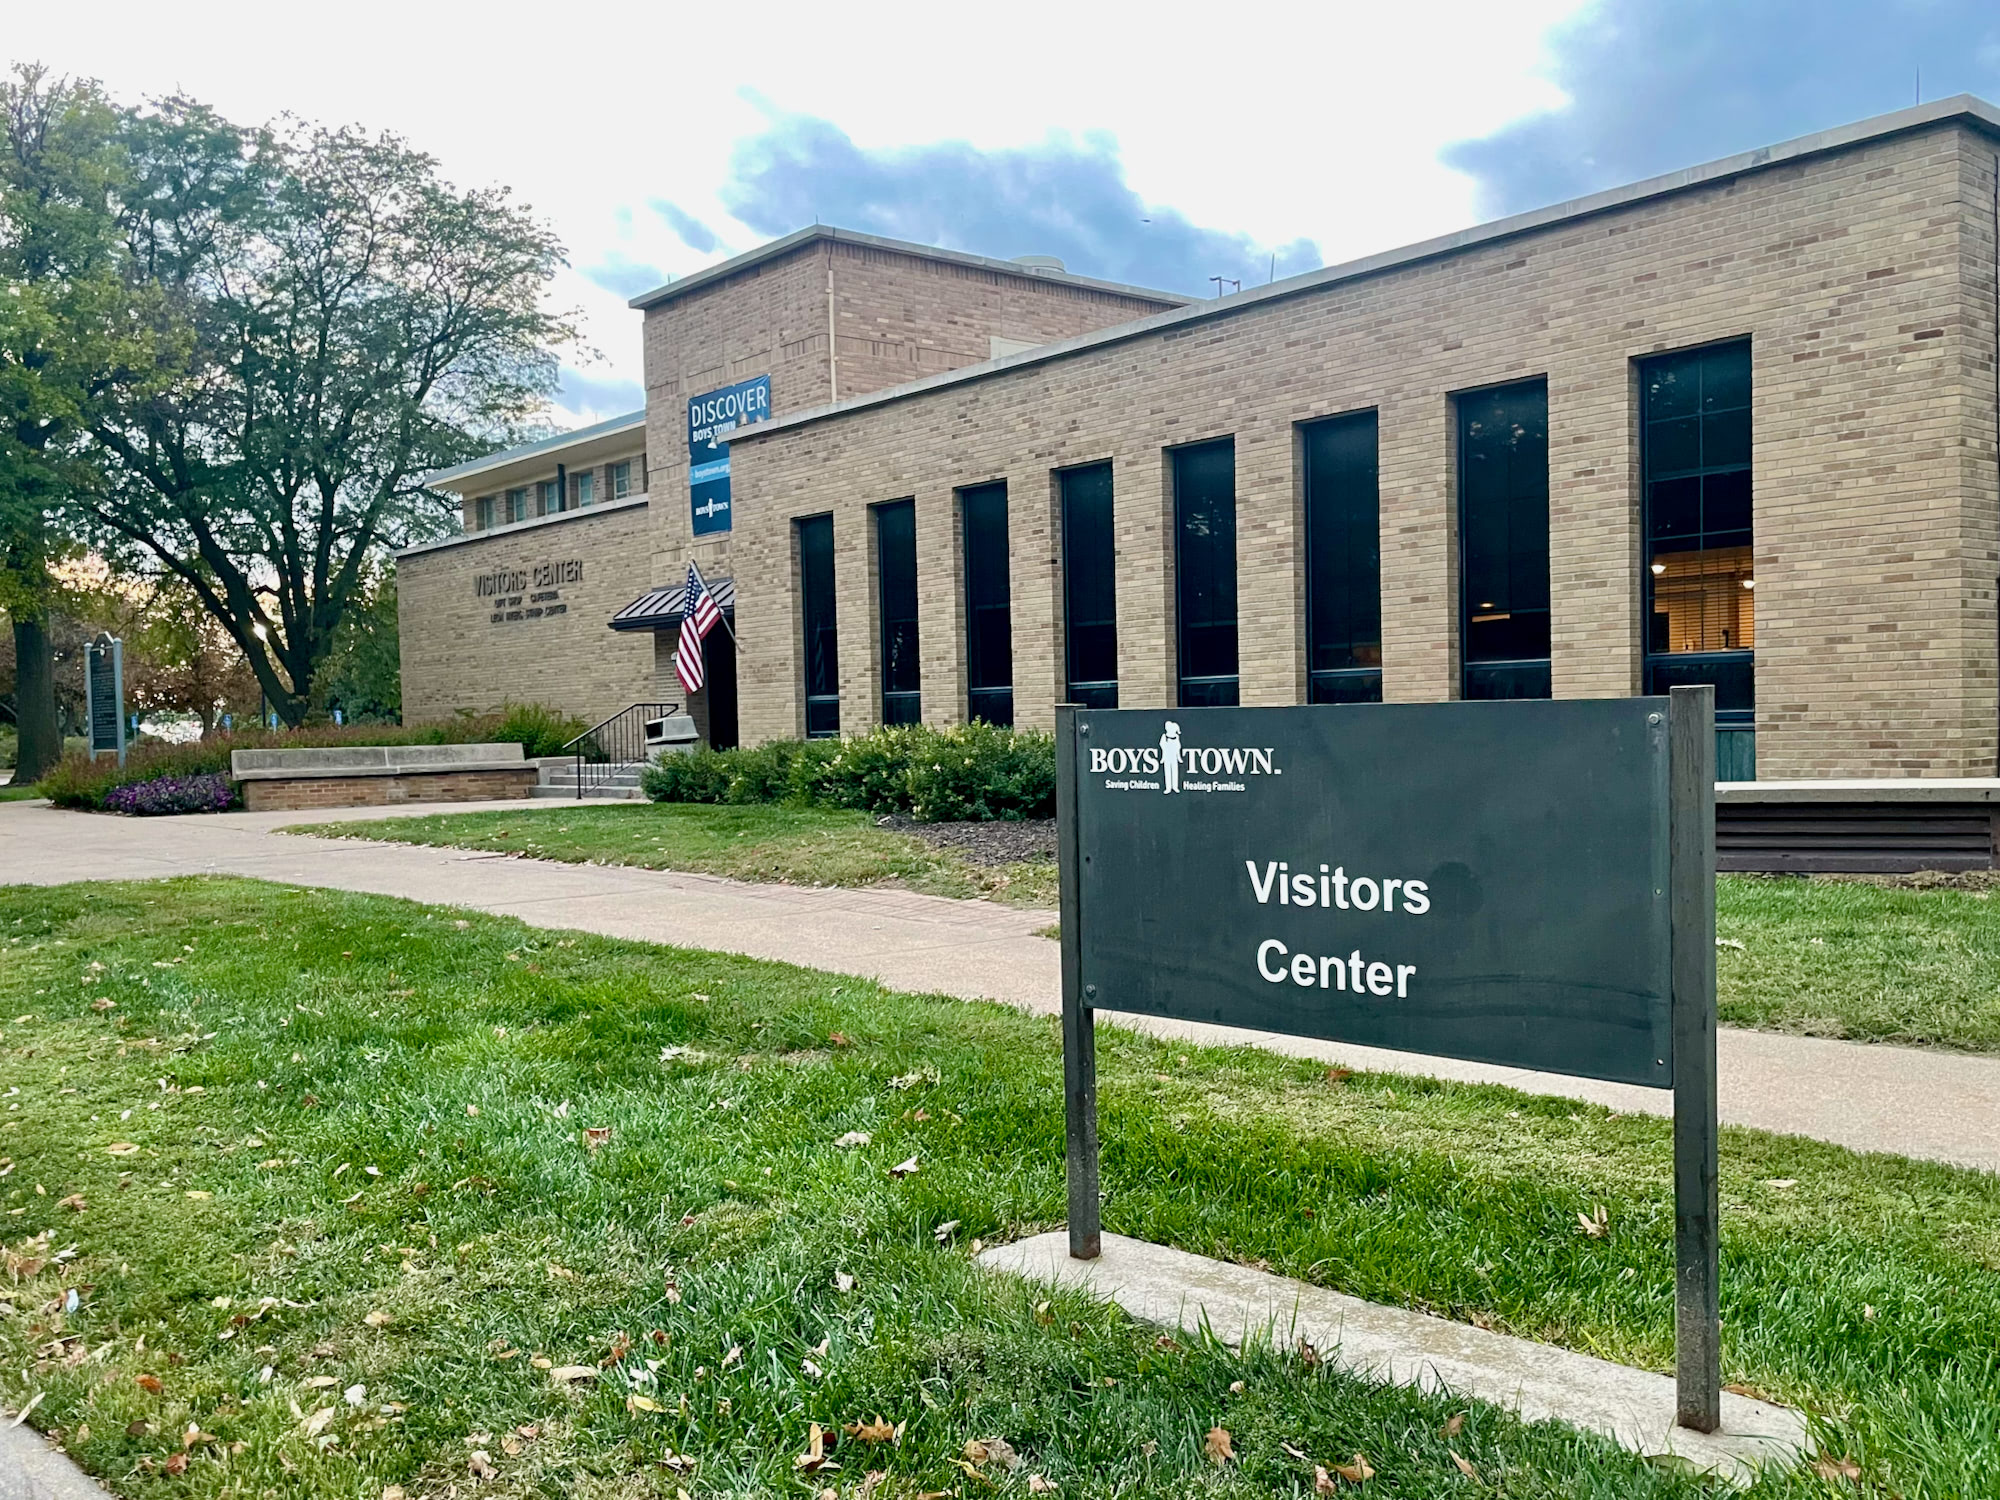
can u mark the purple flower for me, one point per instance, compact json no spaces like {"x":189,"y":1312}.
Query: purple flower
{"x":210,"y":791}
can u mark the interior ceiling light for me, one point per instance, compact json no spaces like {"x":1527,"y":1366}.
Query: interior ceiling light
{"x":1658,"y":569}
{"x":1749,"y":583}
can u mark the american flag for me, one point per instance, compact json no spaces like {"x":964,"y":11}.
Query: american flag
{"x":699,"y":616}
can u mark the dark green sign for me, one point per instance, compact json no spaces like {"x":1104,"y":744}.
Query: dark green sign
{"x":1477,"y":880}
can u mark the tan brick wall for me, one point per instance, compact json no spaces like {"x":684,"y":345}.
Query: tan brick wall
{"x":385,"y":791}
{"x":457,"y":659}
{"x":1864,"y":280}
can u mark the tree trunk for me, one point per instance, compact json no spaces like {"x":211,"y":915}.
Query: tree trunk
{"x":34,"y":702}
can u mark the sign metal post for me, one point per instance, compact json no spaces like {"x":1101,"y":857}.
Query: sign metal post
{"x":1079,"y":1026}
{"x":1697,"y":1212}
{"x":1558,"y":861}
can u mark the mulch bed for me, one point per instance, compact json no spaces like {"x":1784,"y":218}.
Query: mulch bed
{"x":984,"y":843}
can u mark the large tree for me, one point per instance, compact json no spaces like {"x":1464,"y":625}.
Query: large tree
{"x":355,"y":323}
{"x":71,"y":331}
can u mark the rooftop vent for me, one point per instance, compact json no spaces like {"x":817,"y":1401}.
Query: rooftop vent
{"x":1039,"y":262}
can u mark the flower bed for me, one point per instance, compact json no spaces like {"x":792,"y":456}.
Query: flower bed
{"x":208,"y":791}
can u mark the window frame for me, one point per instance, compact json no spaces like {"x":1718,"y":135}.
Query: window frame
{"x":618,"y":479}
{"x":1091,"y":692}
{"x":1511,"y":677}
{"x":1204,"y":689}
{"x":484,"y":508}
{"x":583,"y":485}
{"x":517,"y":504}
{"x":1731,"y":669}
{"x":1357,"y":682}
{"x":899,"y":704}
{"x":989,"y":701}
{"x":819,"y":712}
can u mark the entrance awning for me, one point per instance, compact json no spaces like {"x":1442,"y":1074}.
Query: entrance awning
{"x":661,"y":609}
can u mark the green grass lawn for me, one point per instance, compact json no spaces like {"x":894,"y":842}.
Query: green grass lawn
{"x":1820,"y":957}
{"x":11,"y":793}
{"x":340,"y":1183}
{"x":792,"y":845}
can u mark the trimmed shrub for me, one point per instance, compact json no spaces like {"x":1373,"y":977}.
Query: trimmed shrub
{"x":971,"y":772}
{"x":210,"y":791}
{"x":80,"y":782}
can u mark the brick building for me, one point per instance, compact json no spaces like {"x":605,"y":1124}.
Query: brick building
{"x":1736,"y":424}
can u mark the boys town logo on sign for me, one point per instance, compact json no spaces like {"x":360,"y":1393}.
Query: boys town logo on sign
{"x":1171,"y":766}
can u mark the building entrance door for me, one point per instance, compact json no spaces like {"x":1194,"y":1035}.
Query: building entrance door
{"x":718,"y":696}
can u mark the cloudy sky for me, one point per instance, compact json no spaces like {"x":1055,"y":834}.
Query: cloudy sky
{"x":1163,"y":144}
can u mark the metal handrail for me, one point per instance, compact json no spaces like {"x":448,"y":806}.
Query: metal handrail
{"x":618,"y":742}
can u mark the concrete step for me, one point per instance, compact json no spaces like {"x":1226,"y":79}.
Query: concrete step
{"x":567,"y":793}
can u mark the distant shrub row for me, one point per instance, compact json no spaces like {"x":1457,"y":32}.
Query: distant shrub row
{"x":966,"y":773}
{"x":80,"y":782}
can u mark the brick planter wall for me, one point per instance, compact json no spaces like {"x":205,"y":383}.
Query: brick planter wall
{"x":383,"y":791}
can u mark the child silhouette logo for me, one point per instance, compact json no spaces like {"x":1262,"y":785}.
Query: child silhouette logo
{"x":1170,"y":755}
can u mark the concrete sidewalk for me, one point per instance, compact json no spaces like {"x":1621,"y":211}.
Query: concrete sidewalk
{"x":1940,"y":1106}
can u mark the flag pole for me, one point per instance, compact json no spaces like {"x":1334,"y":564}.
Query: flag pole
{"x":695,"y":568}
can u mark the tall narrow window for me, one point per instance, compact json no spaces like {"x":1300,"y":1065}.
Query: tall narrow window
{"x":1090,"y":587}
{"x":548,"y":498}
{"x":1698,"y":580}
{"x":517,"y":505}
{"x":583,"y":484}
{"x":822,"y":644}
{"x":896,"y":575}
{"x":1205,"y":572}
{"x":989,"y":636}
{"x":1503,"y":539}
{"x":1343,"y":561}
{"x":482,"y":512}
{"x":621,"y":480}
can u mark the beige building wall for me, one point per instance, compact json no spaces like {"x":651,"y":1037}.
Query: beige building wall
{"x":1863,"y":277}
{"x":459,"y":658}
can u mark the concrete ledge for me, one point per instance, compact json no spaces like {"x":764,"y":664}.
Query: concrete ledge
{"x":1634,"y":1408}
{"x":371,"y":760}
{"x":1864,"y":789}
{"x":439,"y":784}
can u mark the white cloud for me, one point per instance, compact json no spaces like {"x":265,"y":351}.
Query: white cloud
{"x":1295,"y":120}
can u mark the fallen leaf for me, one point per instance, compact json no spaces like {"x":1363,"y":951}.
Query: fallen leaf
{"x":904,"y":1168}
{"x":378,"y":1319}
{"x":642,"y":1403}
{"x":944,"y":1230}
{"x":73,"y":1201}
{"x":852,"y":1139}
{"x":392,"y":1492}
{"x":1235,"y":1387}
{"x":877,"y":1431}
{"x":596,"y":1135}
{"x":472,"y":1110}
{"x":1044,"y":1314}
{"x":1451,"y":1427}
{"x":842,"y":1282}
{"x":1781,"y":1182}
{"x":1000,"y":1453}
{"x":1357,"y":1472}
{"x":480,"y":1465}
{"x":315,"y":1424}
{"x":1323,"y":1482}
{"x":733,"y":1357}
{"x":1218,"y":1446}
{"x":814,"y":1458}
{"x":1595,"y":1224}
{"x":319,"y":1382}
{"x":1465,"y":1468}
{"x":177,"y":1463}
{"x":572,"y":1374}
{"x":1836,"y":1468}
{"x":150,"y":1384}
{"x":121,"y":1148}
{"x":1338,"y":1076}
{"x":839,"y":1039}
{"x":354,"y":1395}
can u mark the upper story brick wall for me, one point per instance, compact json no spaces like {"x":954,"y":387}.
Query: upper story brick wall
{"x":1863,"y":278}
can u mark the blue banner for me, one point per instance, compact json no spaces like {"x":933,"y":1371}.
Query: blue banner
{"x":711,"y":418}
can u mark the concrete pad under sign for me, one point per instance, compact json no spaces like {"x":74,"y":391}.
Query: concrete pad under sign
{"x":1635,"y":1408}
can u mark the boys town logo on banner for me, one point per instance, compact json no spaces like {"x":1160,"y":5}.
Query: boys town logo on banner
{"x":1171,"y":766}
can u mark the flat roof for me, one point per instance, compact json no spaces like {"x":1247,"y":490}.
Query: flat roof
{"x":630,"y":421}
{"x":816,"y":232}
{"x":1963,"y":108}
